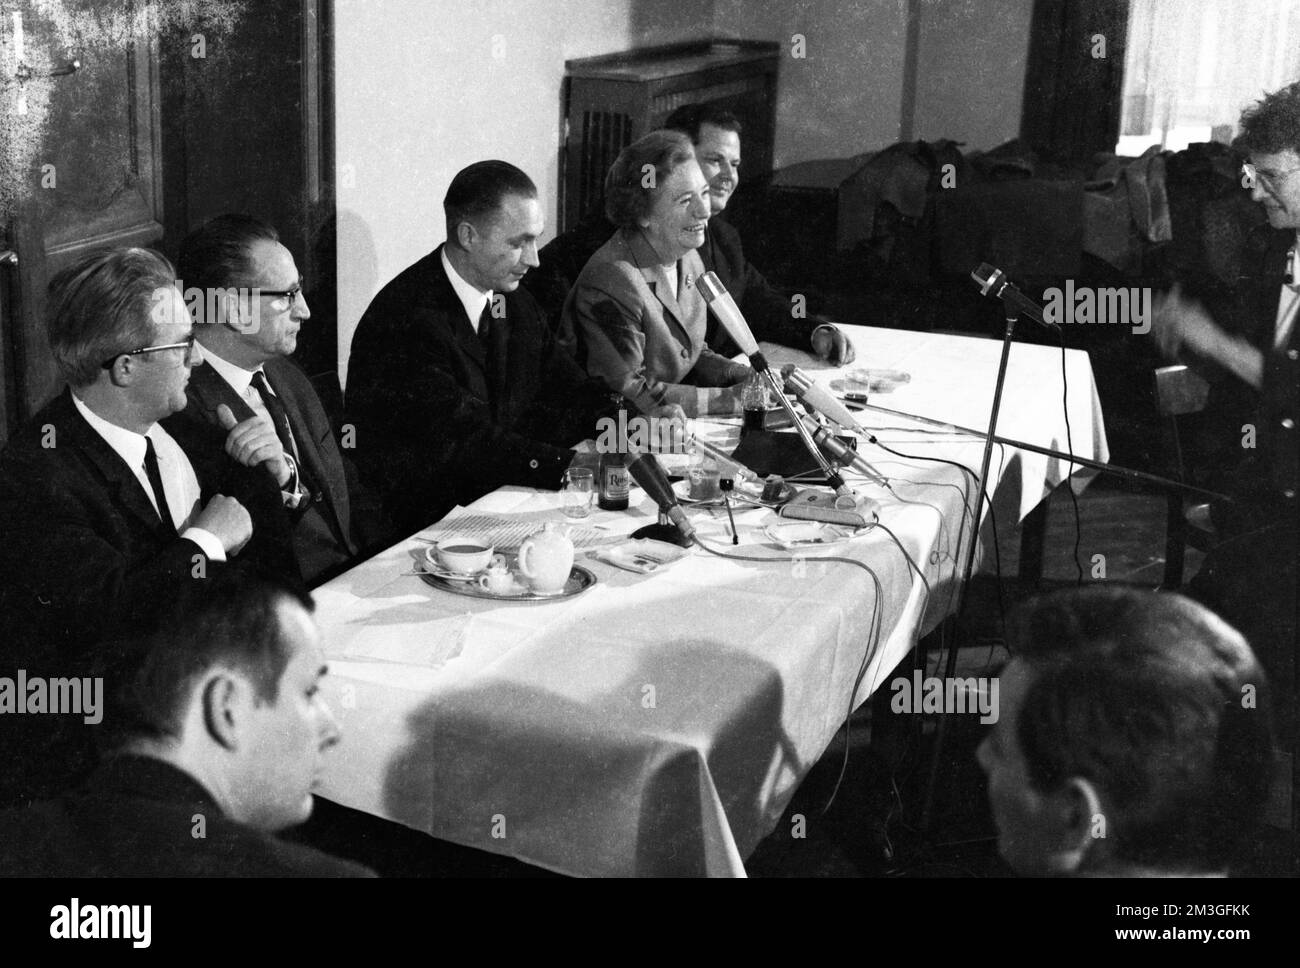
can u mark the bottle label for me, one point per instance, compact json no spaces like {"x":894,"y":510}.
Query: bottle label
{"x":617,"y":481}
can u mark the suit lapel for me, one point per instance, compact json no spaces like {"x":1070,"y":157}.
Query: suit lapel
{"x":121,"y":484}
{"x":209,"y":390}
{"x":462,"y":333}
{"x":656,"y":278}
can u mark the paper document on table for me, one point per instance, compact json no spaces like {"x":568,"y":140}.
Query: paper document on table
{"x":508,"y":533}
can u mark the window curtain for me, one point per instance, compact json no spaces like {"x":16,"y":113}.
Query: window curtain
{"x":1073,"y":83}
{"x":1195,"y":64}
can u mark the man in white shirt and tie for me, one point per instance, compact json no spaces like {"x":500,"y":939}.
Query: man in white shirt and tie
{"x":104,"y":513}
{"x":247,"y":323}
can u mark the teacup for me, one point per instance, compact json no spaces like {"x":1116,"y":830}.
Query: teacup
{"x":464,"y":556}
{"x":497,"y":579}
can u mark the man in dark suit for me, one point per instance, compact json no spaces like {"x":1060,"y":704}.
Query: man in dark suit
{"x":772,"y":315}
{"x":105,"y":515}
{"x":216,"y":732}
{"x":456,"y":385}
{"x":246,"y":296}
{"x":1250,"y":574}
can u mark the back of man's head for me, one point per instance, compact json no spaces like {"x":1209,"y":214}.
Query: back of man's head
{"x":104,"y":304}
{"x":689,"y":118}
{"x":1157,"y":704}
{"x":230,"y":619}
{"x":477,"y":191}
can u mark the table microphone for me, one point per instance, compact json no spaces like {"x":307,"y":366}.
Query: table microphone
{"x":649,"y":473}
{"x":729,"y":315}
{"x":801,"y":385}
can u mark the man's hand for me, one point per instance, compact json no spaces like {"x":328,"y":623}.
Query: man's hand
{"x":674,"y":429}
{"x":255,"y":442}
{"x":830,"y":343}
{"x":227,"y":521}
{"x":1179,"y":323}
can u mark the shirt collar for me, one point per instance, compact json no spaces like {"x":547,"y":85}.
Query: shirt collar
{"x":235,"y":375}
{"x":469,"y":296}
{"x":127,"y":444}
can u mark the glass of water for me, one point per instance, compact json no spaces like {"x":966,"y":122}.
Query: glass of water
{"x":575,"y":496}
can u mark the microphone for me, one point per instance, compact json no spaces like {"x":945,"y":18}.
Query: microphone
{"x":729,"y":466}
{"x":993,"y":282}
{"x":843,"y":453}
{"x":649,"y":473}
{"x":729,"y":315}
{"x":801,"y":385}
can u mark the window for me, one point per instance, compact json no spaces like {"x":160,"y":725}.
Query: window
{"x":1191,"y":66}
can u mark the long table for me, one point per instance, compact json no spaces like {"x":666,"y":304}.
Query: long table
{"x":658,"y":725}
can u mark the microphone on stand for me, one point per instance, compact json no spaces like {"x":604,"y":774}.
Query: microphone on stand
{"x":816,"y":398}
{"x":729,"y":315}
{"x":993,"y":282}
{"x":732,"y":320}
{"x":649,"y":473}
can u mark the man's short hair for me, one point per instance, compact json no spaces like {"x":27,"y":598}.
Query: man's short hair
{"x":1161,"y":705}
{"x":689,"y":118}
{"x":1271,"y":124}
{"x":216,"y":254}
{"x":478,"y":191}
{"x":629,"y":194}
{"x":230,"y":618}
{"x":101,"y":306}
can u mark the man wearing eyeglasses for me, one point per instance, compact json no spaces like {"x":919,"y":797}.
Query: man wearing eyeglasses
{"x":250,"y":310}
{"x":1250,"y":575}
{"x":104,"y":513}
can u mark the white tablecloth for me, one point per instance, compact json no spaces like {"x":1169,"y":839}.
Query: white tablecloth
{"x":660,"y":724}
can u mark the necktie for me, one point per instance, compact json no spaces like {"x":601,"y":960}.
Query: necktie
{"x":279,"y":416}
{"x":155,"y":481}
{"x":485,"y":337}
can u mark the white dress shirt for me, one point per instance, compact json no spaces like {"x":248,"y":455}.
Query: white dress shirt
{"x":180,"y":484}
{"x":473,"y":300}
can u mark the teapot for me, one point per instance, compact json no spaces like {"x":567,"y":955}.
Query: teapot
{"x":546,"y":558}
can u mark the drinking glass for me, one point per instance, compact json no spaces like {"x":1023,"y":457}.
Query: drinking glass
{"x":579,"y":485}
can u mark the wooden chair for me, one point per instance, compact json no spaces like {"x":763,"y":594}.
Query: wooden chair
{"x":1180,"y":391}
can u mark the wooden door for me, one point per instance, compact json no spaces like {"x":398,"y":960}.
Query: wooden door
{"x":87,"y":175}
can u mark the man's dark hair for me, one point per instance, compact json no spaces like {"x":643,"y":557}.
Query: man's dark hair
{"x":1161,"y":705}
{"x":229,"y":618}
{"x":478,"y":190}
{"x":1271,"y":124}
{"x":216,"y":255}
{"x":689,"y":118}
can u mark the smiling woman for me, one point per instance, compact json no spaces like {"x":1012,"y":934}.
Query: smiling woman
{"x":636,"y":307}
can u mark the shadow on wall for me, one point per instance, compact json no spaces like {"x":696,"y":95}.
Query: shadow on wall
{"x":357,"y":282}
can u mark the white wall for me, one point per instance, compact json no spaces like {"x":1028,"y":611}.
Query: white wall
{"x":426,"y":87}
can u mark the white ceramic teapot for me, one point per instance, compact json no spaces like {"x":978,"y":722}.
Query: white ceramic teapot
{"x":546,"y":558}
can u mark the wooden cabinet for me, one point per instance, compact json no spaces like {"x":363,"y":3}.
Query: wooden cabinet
{"x":612,"y":100}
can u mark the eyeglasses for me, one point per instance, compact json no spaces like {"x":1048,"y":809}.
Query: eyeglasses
{"x":289,"y":294}
{"x":1271,"y":180}
{"x":187,"y":344}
